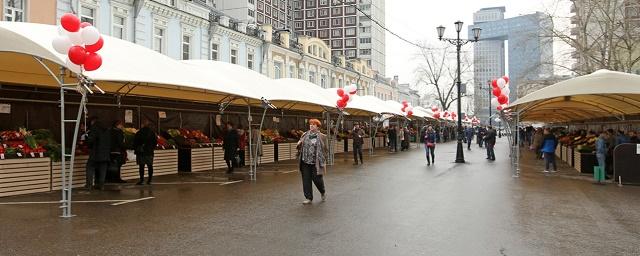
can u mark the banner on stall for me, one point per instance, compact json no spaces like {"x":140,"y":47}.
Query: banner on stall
{"x":128,"y":116}
{"x":5,"y":108}
{"x":162,"y":114}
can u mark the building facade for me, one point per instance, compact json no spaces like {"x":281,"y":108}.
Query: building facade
{"x":530,"y":52}
{"x":35,"y":11}
{"x":346,"y":26}
{"x":276,"y":13}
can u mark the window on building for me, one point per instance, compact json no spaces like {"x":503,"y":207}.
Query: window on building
{"x":252,"y":1}
{"x":323,"y":33}
{"x":186,"y":45}
{"x":365,"y":40}
{"x":312,"y":77}
{"x":324,"y":2}
{"x":296,"y":5}
{"x":88,"y":14}
{"x":311,"y":13}
{"x":234,"y":56}
{"x":297,"y":14}
{"x":268,"y":10}
{"x":350,"y":32}
{"x":365,"y":7}
{"x":336,"y":43}
{"x":260,"y":18}
{"x":251,"y":13}
{"x":365,"y":51}
{"x":365,"y":29}
{"x":173,"y":2}
{"x":323,"y":81}
{"x":336,"y":11}
{"x":301,"y":73}
{"x":323,"y":23}
{"x":350,"y":20}
{"x":351,"y":53}
{"x":298,"y":24}
{"x":214,"y":51}
{"x":250,"y":61}
{"x":310,"y":3}
{"x":311,"y":24}
{"x":292,"y":71}
{"x":364,"y":18}
{"x":14,"y":10}
{"x":277,"y":70}
{"x":118,"y":27}
{"x":336,"y":22}
{"x":336,"y":32}
{"x":350,"y":42}
{"x":158,"y":39}
{"x":350,"y":10}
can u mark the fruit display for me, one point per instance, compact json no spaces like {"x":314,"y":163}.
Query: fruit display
{"x":23,"y":143}
{"x":189,"y":138}
{"x":272,"y":136}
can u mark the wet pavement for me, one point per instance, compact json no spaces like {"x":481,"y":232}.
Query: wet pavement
{"x":392,"y":205}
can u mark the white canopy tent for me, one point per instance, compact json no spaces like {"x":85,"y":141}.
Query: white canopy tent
{"x":601,"y":94}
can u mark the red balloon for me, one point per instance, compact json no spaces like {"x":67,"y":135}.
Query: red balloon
{"x":345,"y":98}
{"x":353,"y":92}
{"x":502,"y":99}
{"x":410,"y":113}
{"x":85,"y":24}
{"x":70,"y":22}
{"x":499,"y":108}
{"x":77,"y":54}
{"x":497,"y":92}
{"x":93,"y":62}
{"x":341,"y":104}
{"x":506,"y":79}
{"x":436,"y":115}
{"x":494,"y":83}
{"x":95,"y":47}
{"x":404,"y":109}
{"x":340,"y":91}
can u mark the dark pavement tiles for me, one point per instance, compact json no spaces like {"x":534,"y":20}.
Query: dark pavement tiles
{"x":392,"y":205}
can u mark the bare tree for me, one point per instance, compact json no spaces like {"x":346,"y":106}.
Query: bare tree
{"x":437,"y":72}
{"x":602,"y":34}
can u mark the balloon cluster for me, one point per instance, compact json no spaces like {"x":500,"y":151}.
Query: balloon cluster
{"x":436,"y":112}
{"x":475,"y":121}
{"x":80,"y":41}
{"x":408,"y":110}
{"x":346,"y":95}
{"x":501,"y":91}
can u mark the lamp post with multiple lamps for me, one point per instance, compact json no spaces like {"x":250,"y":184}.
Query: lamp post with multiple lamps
{"x":459,"y":43}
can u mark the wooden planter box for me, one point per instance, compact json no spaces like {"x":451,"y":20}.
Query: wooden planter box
{"x":25,"y":176}
{"x":268,"y":154}
{"x":286,"y":151}
{"x":577,"y":160}
{"x":201,"y":159}
{"x":339,"y":146}
{"x":218,"y":158}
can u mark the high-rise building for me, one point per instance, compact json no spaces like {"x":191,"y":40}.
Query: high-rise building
{"x":274,"y":12}
{"x":530,"y":52}
{"x":349,"y":32}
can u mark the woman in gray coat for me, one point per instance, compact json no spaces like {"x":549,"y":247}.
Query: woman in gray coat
{"x":313,"y":150}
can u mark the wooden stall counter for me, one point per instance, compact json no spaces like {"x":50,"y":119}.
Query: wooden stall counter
{"x":25,"y":176}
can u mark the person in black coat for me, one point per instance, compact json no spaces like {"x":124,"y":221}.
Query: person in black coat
{"x":118,"y":152}
{"x":144,"y":143}
{"x":99,"y":142}
{"x":230,"y":145}
{"x":490,"y":141}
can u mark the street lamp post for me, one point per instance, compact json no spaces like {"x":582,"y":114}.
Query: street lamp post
{"x":459,"y":43}
{"x":490,"y":91}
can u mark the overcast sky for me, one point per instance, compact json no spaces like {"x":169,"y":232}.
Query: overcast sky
{"x":416,"y":20}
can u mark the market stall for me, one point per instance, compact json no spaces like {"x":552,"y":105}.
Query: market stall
{"x":598,"y":98}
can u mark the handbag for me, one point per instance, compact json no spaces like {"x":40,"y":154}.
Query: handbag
{"x":430,"y":145}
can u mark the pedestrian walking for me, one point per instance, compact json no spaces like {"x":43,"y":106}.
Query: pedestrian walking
{"x":358,"y":140}
{"x":144,"y":144}
{"x":99,"y":142}
{"x":118,"y":155}
{"x":480,"y":135}
{"x":406,"y":138}
{"x":538,"y":138}
{"x":548,"y":148}
{"x":468,"y":134}
{"x":601,"y":149}
{"x":312,"y":151}
{"x":230,"y":146}
{"x":490,"y":141}
{"x":393,"y":139}
{"x":430,"y":145}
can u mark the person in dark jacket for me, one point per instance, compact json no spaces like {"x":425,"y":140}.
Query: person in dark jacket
{"x":633,"y":137}
{"x":144,"y":143}
{"x":430,"y":139}
{"x":230,"y":145}
{"x":99,"y":142}
{"x":490,"y":141}
{"x":468,"y":134}
{"x":480,"y":135}
{"x":358,"y":140}
{"x":548,"y":148}
{"x":118,"y":153}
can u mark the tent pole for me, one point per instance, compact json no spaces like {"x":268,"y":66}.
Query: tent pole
{"x":517,"y":147}
{"x":255,"y":173}
{"x":249,"y":119}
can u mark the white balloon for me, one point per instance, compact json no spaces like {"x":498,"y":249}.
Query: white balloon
{"x":409,"y":108}
{"x":73,"y":67}
{"x":61,"y":44}
{"x":506,"y":91}
{"x":75,"y":37}
{"x":494,"y":102}
{"x":350,"y":98}
{"x":90,"y":35}
{"x":353,"y":88}
{"x":501,"y":83}
{"x":62,"y":31}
